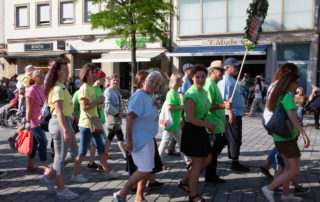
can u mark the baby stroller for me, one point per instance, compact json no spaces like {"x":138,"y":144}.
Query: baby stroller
{"x":12,"y":119}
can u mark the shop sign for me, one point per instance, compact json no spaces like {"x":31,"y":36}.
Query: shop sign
{"x":221,"y":42}
{"x":38,"y":47}
{"x":126,"y":43}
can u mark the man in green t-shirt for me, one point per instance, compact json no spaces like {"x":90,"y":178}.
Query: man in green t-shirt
{"x":217,"y":116}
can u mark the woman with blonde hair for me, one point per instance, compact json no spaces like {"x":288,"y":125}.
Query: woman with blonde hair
{"x":288,"y":147}
{"x":175,"y":107}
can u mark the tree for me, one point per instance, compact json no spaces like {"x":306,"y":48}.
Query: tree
{"x":127,"y":18}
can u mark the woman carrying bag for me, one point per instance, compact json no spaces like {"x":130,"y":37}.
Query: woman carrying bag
{"x":89,"y":112}
{"x":288,"y":147}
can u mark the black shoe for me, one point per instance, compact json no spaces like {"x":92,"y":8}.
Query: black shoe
{"x":174,"y":153}
{"x":156,"y":185}
{"x":215,"y":179}
{"x":264,"y":171}
{"x":239,"y":167}
{"x":299,"y":190}
{"x":92,"y":166}
{"x":12,"y":143}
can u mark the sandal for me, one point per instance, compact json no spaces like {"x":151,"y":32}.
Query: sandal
{"x":189,"y":165}
{"x":165,"y":168}
{"x":184,"y":186}
{"x":192,"y":198}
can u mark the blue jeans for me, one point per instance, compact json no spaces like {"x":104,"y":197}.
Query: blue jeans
{"x":85,"y":138}
{"x":40,"y":143}
{"x":300,"y":112}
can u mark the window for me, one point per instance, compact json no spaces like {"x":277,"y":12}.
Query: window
{"x":66,"y":12}
{"x":189,"y":15}
{"x":229,"y":16}
{"x":43,"y":14}
{"x":90,"y":8}
{"x":22,"y":16}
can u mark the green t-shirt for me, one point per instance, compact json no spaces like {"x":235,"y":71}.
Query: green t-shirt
{"x":76,"y":103}
{"x":99,"y":92}
{"x":215,"y":116}
{"x":173,"y":99}
{"x":202,"y":102}
{"x":288,"y":104}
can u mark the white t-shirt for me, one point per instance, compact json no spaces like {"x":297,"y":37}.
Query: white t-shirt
{"x":258,"y":95}
{"x":266,"y":113}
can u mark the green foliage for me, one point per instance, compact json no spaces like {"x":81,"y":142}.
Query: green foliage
{"x":125,"y":17}
{"x":250,"y":11}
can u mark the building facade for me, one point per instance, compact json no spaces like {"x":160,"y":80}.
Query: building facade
{"x":37,"y":30}
{"x":207,"y":30}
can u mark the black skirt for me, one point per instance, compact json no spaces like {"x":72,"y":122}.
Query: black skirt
{"x":131,"y":167}
{"x":195,"y":141}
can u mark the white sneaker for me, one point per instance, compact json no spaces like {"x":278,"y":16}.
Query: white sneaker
{"x":112,"y":174}
{"x":290,"y":197}
{"x":47,"y":182}
{"x":268,"y":193}
{"x":78,"y":178}
{"x":66,"y":194}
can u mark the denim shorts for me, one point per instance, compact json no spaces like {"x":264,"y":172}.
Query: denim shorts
{"x":85,"y":138}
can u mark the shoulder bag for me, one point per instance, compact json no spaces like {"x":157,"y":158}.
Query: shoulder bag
{"x":96,"y":125}
{"x":279,"y":123}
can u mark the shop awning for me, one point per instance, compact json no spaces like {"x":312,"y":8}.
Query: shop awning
{"x":117,"y":56}
{"x":217,"y":51}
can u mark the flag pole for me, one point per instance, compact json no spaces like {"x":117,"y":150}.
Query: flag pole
{"x":239,"y":74}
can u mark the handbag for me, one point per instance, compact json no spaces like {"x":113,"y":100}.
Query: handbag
{"x":165,"y":119}
{"x":96,"y":125}
{"x":25,"y":142}
{"x":113,"y":122}
{"x":279,"y":123}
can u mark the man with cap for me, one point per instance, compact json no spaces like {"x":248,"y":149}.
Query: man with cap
{"x":182,"y":90}
{"x":314,"y":105}
{"x":234,"y":116}
{"x":216,"y":115}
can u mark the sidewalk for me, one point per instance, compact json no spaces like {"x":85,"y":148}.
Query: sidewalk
{"x":20,"y":185}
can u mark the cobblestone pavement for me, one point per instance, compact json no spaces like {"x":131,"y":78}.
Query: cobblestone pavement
{"x":20,"y":185}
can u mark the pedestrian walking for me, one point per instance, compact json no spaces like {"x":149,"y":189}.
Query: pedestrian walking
{"x":195,"y":140}
{"x":233,"y":117}
{"x":60,"y":126}
{"x":288,"y":147}
{"x":89,"y":108}
{"x":258,"y":88}
{"x":142,"y":127}
{"x":113,"y":110}
{"x":175,"y":108}
{"x":216,"y":115}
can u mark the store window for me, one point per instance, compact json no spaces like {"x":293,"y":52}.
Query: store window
{"x":298,"y":14}
{"x":237,"y":15}
{"x":43,"y":14}
{"x":66,"y":12}
{"x":273,"y":19}
{"x":22,"y":16}
{"x":90,"y":8}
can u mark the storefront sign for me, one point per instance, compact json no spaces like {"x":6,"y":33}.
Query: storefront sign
{"x":221,"y":42}
{"x":38,"y":47}
{"x":126,"y":43}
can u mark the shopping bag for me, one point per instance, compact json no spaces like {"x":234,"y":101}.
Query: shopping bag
{"x":25,"y":142}
{"x":165,"y":119}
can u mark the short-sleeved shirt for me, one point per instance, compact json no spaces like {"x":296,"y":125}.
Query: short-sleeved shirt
{"x":185,"y":86}
{"x":173,"y":99}
{"x":99,"y":92}
{"x":258,"y":95}
{"x":37,"y":95}
{"x":244,"y":87}
{"x":60,"y":92}
{"x":86,"y":91}
{"x":145,"y":125}
{"x":288,"y":104}
{"x":23,"y":79}
{"x":216,"y":116}
{"x":201,"y":100}
{"x":75,"y":100}
{"x":226,"y":86}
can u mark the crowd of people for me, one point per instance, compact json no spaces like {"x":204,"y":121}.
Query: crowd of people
{"x":206,"y":117}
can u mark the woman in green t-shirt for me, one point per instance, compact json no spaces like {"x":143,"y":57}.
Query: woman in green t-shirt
{"x":288,"y":147}
{"x":175,"y":108}
{"x":195,"y":140}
